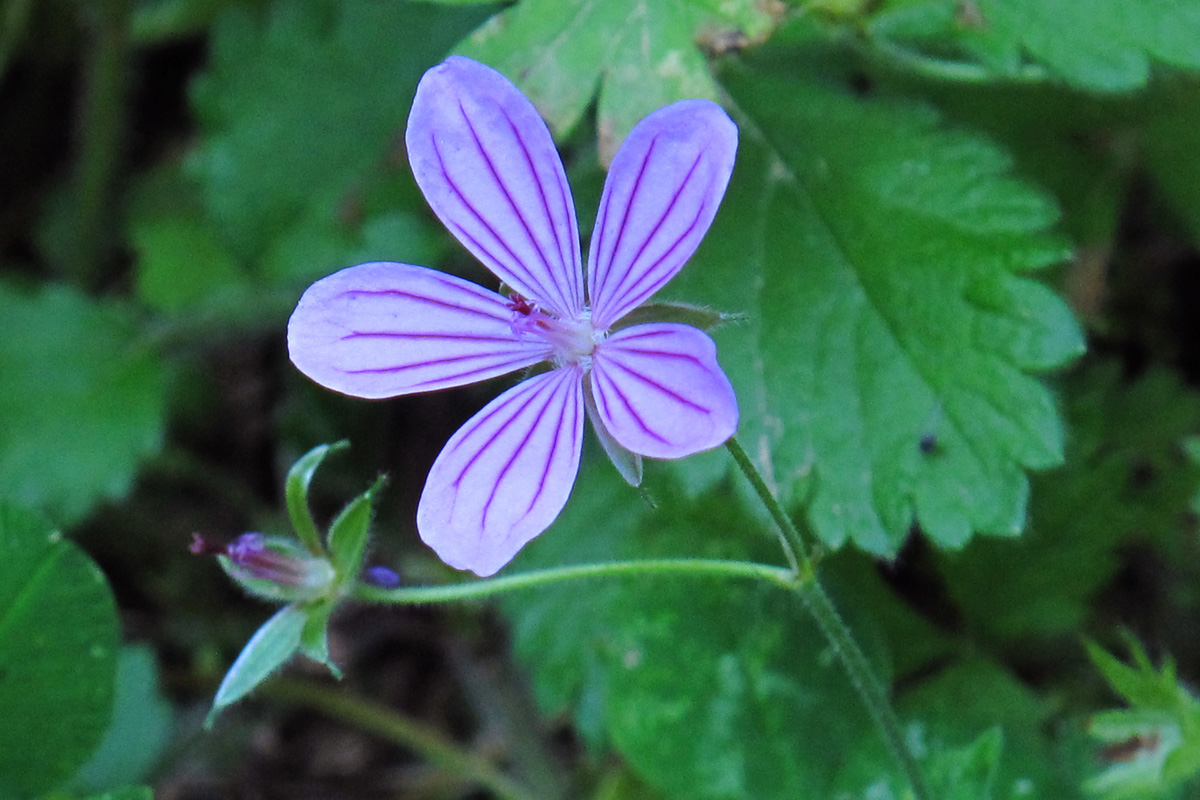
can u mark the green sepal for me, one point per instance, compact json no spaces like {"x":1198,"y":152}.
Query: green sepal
{"x":348,"y":535}
{"x":296,"y":494}
{"x":697,"y":316}
{"x":268,"y":649}
{"x":627,"y":462}
{"x":314,"y":639}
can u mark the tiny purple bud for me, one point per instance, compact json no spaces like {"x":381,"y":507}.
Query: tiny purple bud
{"x":272,"y":567}
{"x":382,"y":577}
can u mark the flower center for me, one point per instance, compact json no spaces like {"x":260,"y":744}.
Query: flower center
{"x":571,"y":340}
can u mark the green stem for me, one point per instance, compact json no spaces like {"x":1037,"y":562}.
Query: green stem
{"x":489,"y":587}
{"x":403,"y":731}
{"x":818,"y":603}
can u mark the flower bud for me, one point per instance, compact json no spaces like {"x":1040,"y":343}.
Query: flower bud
{"x":272,"y":567}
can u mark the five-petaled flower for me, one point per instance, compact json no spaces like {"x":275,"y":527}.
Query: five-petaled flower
{"x":487,"y":165}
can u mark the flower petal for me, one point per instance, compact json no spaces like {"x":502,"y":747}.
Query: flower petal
{"x":660,"y":392}
{"x":506,"y":475}
{"x":487,"y":166}
{"x":385,"y":329}
{"x":662,"y":193}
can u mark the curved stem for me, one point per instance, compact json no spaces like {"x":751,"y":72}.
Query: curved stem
{"x":489,"y":587}
{"x":818,"y":603}
{"x":401,"y":730}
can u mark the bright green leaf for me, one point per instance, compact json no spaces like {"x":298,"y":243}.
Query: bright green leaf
{"x":81,"y":400}
{"x":268,"y":649}
{"x":878,"y":259}
{"x":58,"y":655}
{"x":640,"y":55}
{"x":140,"y":729}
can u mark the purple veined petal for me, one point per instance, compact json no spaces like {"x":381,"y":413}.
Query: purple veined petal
{"x":506,"y":474}
{"x":660,"y":392}
{"x":384,"y":329}
{"x":487,"y":165}
{"x":662,"y":193}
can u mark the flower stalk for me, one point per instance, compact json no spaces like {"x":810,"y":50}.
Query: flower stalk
{"x":818,"y":603}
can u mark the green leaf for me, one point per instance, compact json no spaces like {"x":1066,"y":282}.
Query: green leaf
{"x":878,"y":259}
{"x":348,"y":535}
{"x":1126,"y":478}
{"x":81,"y":400}
{"x":180,"y":263}
{"x":58,"y":655}
{"x":640,"y":55}
{"x":973,"y":696}
{"x":1101,"y":45}
{"x":304,"y":106}
{"x":140,"y":728}
{"x":268,"y":649}
{"x":296,"y":494}
{"x":957,"y":773}
{"x":739,"y":667}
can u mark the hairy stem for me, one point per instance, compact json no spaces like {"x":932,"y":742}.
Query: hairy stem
{"x":490,"y":587}
{"x":818,"y":603}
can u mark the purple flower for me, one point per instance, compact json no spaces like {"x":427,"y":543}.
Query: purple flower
{"x":488,"y":167}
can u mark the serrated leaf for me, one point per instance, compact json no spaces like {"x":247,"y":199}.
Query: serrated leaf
{"x":302,"y":104}
{"x":268,"y":649}
{"x":878,"y":259}
{"x":81,"y":399}
{"x":1126,"y":478}
{"x":641,"y":56}
{"x":58,"y":654}
{"x":738,"y":666}
{"x":1101,"y":45}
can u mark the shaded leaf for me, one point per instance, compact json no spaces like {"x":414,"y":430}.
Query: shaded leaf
{"x":304,"y":104}
{"x":738,"y":666}
{"x":58,"y":655}
{"x":139,"y":731}
{"x":81,"y":399}
{"x":1102,"y":45}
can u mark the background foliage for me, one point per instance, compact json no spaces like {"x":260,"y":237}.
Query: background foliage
{"x":961,"y":241}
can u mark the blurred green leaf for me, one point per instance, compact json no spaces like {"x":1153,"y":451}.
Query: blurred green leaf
{"x":878,"y":258}
{"x":640,"y":56}
{"x":968,"y":699}
{"x":1101,"y":45}
{"x":1126,"y":476}
{"x":304,"y":107}
{"x":124,"y":793}
{"x":59,"y":638}
{"x":81,"y":399}
{"x":958,"y":773}
{"x":1173,"y":157}
{"x":140,"y":728}
{"x":180,"y":263}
